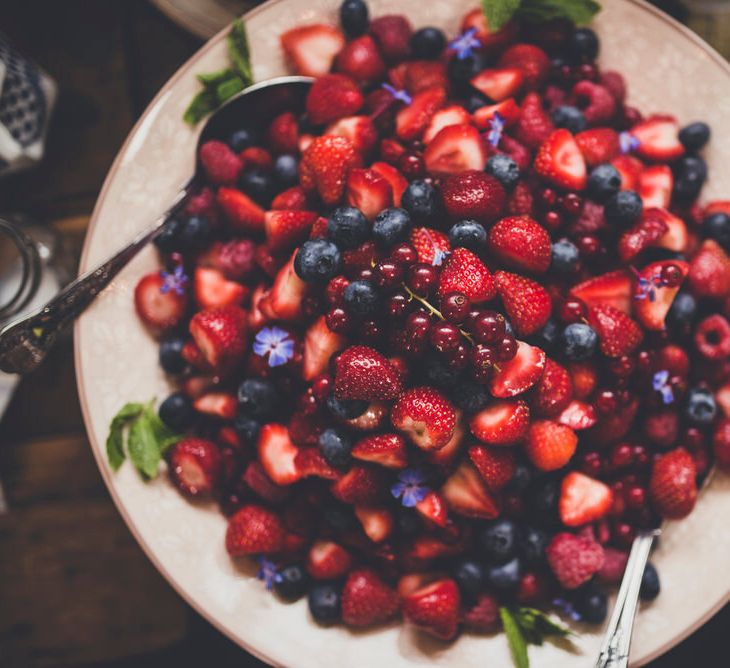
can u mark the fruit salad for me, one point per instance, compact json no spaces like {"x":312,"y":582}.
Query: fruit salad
{"x":445,"y":340}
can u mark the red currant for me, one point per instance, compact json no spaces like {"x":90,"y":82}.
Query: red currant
{"x":397,"y":305}
{"x":623,"y":534}
{"x":591,"y":464}
{"x":365,"y":274}
{"x":458,"y":358}
{"x":671,"y":275}
{"x":588,"y":71}
{"x":571,"y":203}
{"x":622,"y":366}
{"x":404,"y":254}
{"x":412,"y":165}
{"x":572,"y":310}
{"x":455,"y":306}
{"x":488,"y":327}
{"x":635,"y":497}
{"x":335,"y":290}
{"x":422,"y":279}
{"x":444,"y":336}
{"x":388,"y":274}
{"x":507,"y":348}
{"x":338,"y":320}
{"x":589,"y":245}
{"x":606,"y":401}
{"x":418,"y":323}
{"x":621,"y":455}
{"x":482,"y":357}
{"x":322,"y":386}
{"x":552,"y":219}
{"x":547,"y":197}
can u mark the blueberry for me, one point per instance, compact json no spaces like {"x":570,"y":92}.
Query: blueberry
{"x":700,"y":407}
{"x":419,"y":199}
{"x":194,"y":233}
{"x":689,"y":177}
{"x":391,"y":226}
{"x":291,"y":582}
{"x":717,"y":227}
{"x":470,"y":397}
{"x":583,"y":44}
{"x":549,"y":336}
{"x":258,"y":398}
{"x":324,"y":603}
{"x":177,"y":411}
{"x":542,"y":500}
{"x":565,"y":256}
{"x":694,"y":136}
{"x":348,"y":227}
{"x":470,"y":577}
{"x":505,"y":576}
{"x":440,"y":374}
{"x":361,"y":298}
{"x":168,"y":239}
{"x":286,"y":171}
{"x":170,"y":355}
{"x":603,"y":182}
{"x":623,"y":208}
{"x":317,"y":260}
{"x":339,"y":518}
{"x":504,"y":169}
{"x":521,"y":478}
{"x":335,"y":447}
{"x":257,"y":184}
{"x":682,"y":311}
{"x":570,"y":118}
{"x":650,"y":586}
{"x":241,"y":139}
{"x":461,"y":70}
{"x":591,"y":603}
{"x":579,"y":341}
{"x":532,"y":544}
{"x":247,"y":428}
{"x":427,"y":43}
{"x":346,"y":409}
{"x":409,"y":522}
{"x":468,"y":234}
{"x":354,"y":17}
{"x":499,"y":540}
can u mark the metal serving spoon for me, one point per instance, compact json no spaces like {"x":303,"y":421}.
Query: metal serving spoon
{"x":25,"y":342}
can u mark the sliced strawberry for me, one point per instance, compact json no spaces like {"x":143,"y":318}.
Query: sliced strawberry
{"x":327,"y":560}
{"x":217,"y":404}
{"x":158,"y":306}
{"x":473,"y":194}
{"x":285,"y":299}
{"x":312,"y":48}
{"x":291,"y":199}
{"x":260,"y":484}
{"x":550,"y":445}
{"x":598,"y":145}
{"x":655,"y":185}
{"x":491,"y":40}
{"x":325,"y":164}
{"x":455,"y":149}
{"x":466,"y":493}
{"x":257,"y":316}
{"x":498,"y":84}
{"x":554,"y":391}
{"x":368,"y":191}
{"x":195,"y":466}
{"x":578,"y":415}
{"x":433,"y":508}
{"x":388,"y":450}
{"x":615,"y":289}
{"x":397,"y":181}
{"x":426,"y":416}
{"x":412,"y":121}
{"x":283,"y":133}
{"x":501,"y":423}
{"x":377,"y":522}
{"x":527,"y":303}
{"x":362,"y":373}
{"x":212,"y":289}
{"x":220,"y":334}
{"x":653,"y":299}
{"x":434,"y":609}
{"x":496,"y":465}
{"x":583,"y":499}
{"x":534,"y":126}
{"x":277,"y":454}
{"x":658,"y":138}
{"x":422,"y":74}
{"x":361,"y":60}
{"x":561,"y":162}
{"x":241,"y":212}
{"x":673,"y":486}
{"x":629,"y":168}
{"x":531,"y":60}
{"x":445,"y":456}
{"x":644,"y":234}
{"x":520,"y":242}
{"x":676,"y":238}
{"x":452,"y":115}
{"x":709,"y":273}
{"x":360,"y":130}
{"x":320,"y":343}
{"x":309,"y":463}
{"x":286,"y":229}
{"x":254,"y":530}
{"x":361,"y":485}
{"x":618,"y":333}
{"x":518,"y":374}
{"x":331,"y":97}
{"x":367,"y":600}
{"x":508,"y":110}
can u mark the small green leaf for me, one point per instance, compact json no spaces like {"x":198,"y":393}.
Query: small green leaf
{"x":115,"y":441}
{"x":164,"y":436}
{"x":499,"y":12}
{"x":577,"y":11}
{"x":200,"y":106}
{"x":213,"y":79}
{"x":517,"y":642}
{"x":228,"y":88}
{"x":238,"y":51}
{"x":143,"y":449}
{"x":542,"y":624}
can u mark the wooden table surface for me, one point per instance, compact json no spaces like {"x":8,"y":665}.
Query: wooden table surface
{"x":75,"y":588}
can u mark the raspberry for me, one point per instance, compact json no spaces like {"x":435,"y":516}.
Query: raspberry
{"x":596,"y":102}
{"x":712,"y":337}
{"x":222,"y":166}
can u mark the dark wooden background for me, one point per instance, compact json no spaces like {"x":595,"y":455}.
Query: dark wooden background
{"x":75,"y":588}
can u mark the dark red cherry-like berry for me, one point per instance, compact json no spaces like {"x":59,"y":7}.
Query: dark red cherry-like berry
{"x":388,"y":274}
{"x":422,"y":279}
{"x":397,"y":305}
{"x":444,"y":336}
{"x":404,"y":254}
{"x":338,"y":320}
{"x":488,"y":327}
{"x":455,"y":307}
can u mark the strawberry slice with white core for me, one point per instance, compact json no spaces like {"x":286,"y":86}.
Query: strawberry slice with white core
{"x":157,"y":306}
{"x":498,"y":84}
{"x":561,"y":161}
{"x":583,"y":499}
{"x":377,"y":523}
{"x":320,"y":343}
{"x":368,"y":191}
{"x":653,"y":298}
{"x":433,"y":508}
{"x":578,"y":415}
{"x":658,"y":138}
{"x":655,"y":186}
{"x":615,"y":288}
{"x":277,"y":454}
{"x":466,"y":493}
{"x":287,"y":292}
{"x":455,"y":149}
{"x":212,"y":289}
{"x":312,"y":49}
{"x":518,"y":374}
{"x":676,"y":238}
{"x":508,"y":110}
{"x":453,"y":115}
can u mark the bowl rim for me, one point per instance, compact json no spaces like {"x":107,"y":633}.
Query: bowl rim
{"x":220,"y":625}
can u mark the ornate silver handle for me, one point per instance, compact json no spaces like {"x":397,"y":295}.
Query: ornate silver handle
{"x":617,"y":641}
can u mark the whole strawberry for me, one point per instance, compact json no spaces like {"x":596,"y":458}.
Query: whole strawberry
{"x":673,"y":485}
{"x":473,"y":194}
{"x":527,"y":303}
{"x":618,"y":333}
{"x":331,"y":97}
{"x":367,"y":600}
{"x":325,"y":165}
{"x":434,"y":608}
{"x":220,"y":333}
{"x":195,"y":466}
{"x":362,"y":373}
{"x":550,"y":445}
{"x":464,"y":272}
{"x":426,"y":416}
{"x":254,"y":530}
{"x":521,"y":243}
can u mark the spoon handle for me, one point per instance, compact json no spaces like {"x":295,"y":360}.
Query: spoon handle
{"x":617,"y":642}
{"x":26,"y":342}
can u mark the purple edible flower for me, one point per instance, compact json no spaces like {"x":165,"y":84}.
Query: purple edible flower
{"x":463,"y":46}
{"x":648,"y":286}
{"x":496,"y":128}
{"x":401,"y":95}
{"x":627,"y":142}
{"x":410,"y":487}
{"x":267,"y":572}
{"x":567,"y":609}
{"x":276,"y":343}
{"x":175,"y":280}
{"x":660,"y":384}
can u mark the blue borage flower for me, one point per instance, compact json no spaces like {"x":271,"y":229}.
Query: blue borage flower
{"x":275,"y":343}
{"x":463,"y":46}
{"x":496,"y":128}
{"x":175,"y":280}
{"x":439,"y":255}
{"x":648,"y":286}
{"x":567,"y":609}
{"x":410,"y":488}
{"x":268,"y":572}
{"x":401,"y":95}
{"x":627,"y":142}
{"x":660,"y":383}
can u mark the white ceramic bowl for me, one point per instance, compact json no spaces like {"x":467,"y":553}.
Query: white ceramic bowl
{"x":667,"y":68}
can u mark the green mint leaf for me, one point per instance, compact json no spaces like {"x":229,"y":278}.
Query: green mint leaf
{"x":213,"y":79}
{"x":577,"y":11}
{"x":200,"y":106}
{"x":164,"y":436}
{"x":238,"y":51}
{"x":228,"y":88}
{"x":540,"y":623}
{"x":115,"y":441}
{"x":517,"y":642}
{"x":499,"y":12}
{"x":143,"y":448}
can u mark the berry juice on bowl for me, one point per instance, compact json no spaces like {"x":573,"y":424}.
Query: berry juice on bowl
{"x":441,"y":344}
